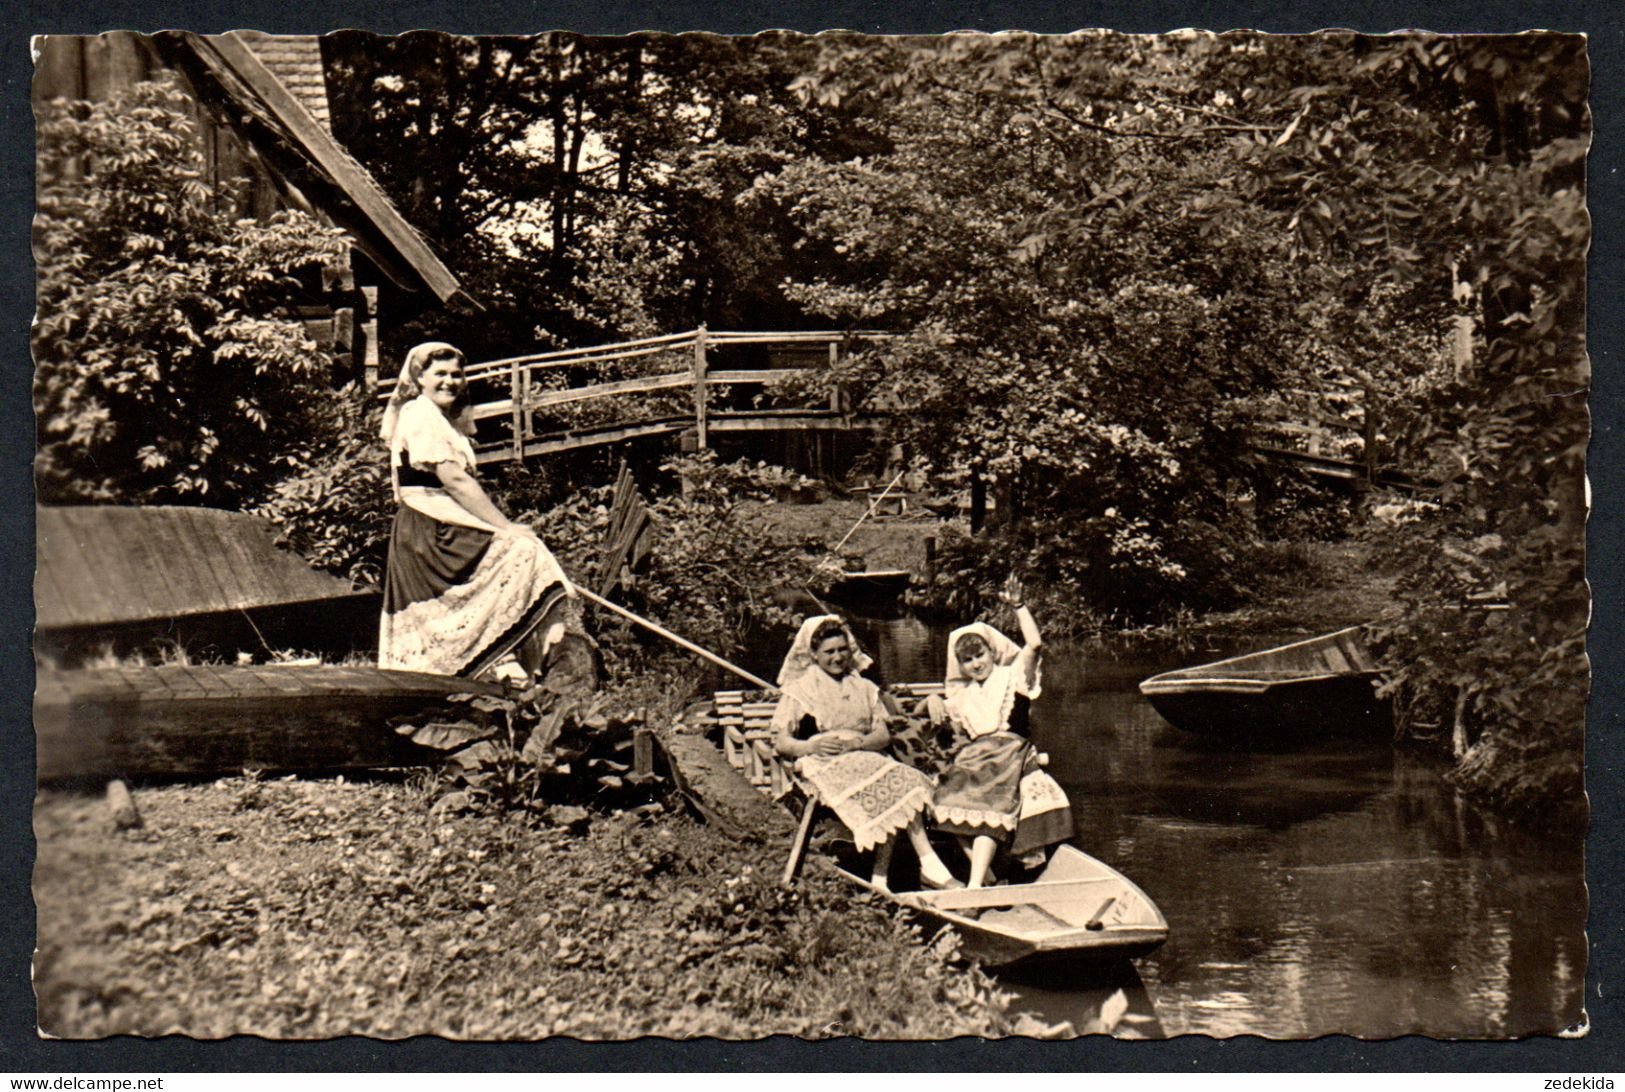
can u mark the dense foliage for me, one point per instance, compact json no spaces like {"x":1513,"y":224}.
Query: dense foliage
{"x":167,"y":364}
{"x":334,"y":504}
{"x":712,"y":566}
{"x":1220,"y":216}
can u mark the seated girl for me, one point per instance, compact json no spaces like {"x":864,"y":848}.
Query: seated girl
{"x":994,"y":791}
{"x":832,"y":724}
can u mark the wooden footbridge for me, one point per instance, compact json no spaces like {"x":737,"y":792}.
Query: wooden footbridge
{"x":706,"y":382}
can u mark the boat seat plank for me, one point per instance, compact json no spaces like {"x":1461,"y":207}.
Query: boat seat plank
{"x":1051,"y":894}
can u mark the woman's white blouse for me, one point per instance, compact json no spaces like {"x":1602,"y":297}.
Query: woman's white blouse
{"x":425,"y":438}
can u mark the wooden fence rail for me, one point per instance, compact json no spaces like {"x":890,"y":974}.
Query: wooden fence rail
{"x":523,"y":399}
{"x":1336,"y":435}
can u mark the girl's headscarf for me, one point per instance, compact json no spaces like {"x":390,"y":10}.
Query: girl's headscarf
{"x":799,"y":660}
{"x":985,"y":708}
{"x":1003,"y":648}
{"x":409,"y":385}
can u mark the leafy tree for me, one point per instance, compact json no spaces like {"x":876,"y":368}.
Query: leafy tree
{"x":167,"y":366}
{"x":1080,"y":326}
{"x":585,"y":188}
{"x":1364,"y":179}
{"x":1428,"y":170}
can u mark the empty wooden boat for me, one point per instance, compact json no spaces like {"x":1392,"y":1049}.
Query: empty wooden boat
{"x":1311,"y":689}
{"x":1078,"y":908}
{"x":870,"y":587}
{"x":213,"y":719}
{"x":125,"y":578}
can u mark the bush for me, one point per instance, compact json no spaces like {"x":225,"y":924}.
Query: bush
{"x":168,"y":364}
{"x":713,"y":565}
{"x":334,"y":506}
{"x":1298,"y":508}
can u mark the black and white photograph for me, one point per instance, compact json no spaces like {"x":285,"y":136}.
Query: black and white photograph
{"x":831,"y":535}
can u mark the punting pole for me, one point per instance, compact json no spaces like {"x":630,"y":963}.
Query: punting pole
{"x":670,"y":636}
{"x":836,"y":549}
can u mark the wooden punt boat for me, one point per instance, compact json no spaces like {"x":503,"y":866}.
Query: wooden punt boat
{"x":1078,"y":908}
{"x":870,"y":587}
{"x":1307,"y":690}
{"x":214,"y":719}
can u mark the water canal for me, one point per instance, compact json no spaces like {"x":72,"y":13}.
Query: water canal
{"x":1334,"y":888}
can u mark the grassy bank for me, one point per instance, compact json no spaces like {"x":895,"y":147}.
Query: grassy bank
{"x":882,"y":541}
{"x":315,"y":908}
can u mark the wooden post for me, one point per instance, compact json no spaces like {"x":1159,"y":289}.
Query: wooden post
{"x":643,"y":755}
{"x":699,"y":388}
{"x":369,"y":335}
{"x":516,"y":416}
{"x":931,"y":559}
{"x":121,"y":806}
{"x":1368,"y":431}
{"x":835,"y":388}
{"x":524,"y":394}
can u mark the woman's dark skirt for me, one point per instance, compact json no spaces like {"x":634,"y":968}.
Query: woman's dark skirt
{"x":458,"y":599}
{"x":996,"y":787}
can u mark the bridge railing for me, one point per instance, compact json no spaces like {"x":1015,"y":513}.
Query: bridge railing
{"x":516,"y":390}
{"x":1332,"y":429}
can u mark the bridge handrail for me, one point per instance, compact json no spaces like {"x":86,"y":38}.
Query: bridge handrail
{"x":640,"y":385}
{"x":649,"y":346}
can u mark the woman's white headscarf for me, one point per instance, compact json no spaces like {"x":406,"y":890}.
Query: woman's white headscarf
{"x":800,"y":677}
{"x":408,"y":386}
{"x":799,"y":660}
{"x":985,"y":707}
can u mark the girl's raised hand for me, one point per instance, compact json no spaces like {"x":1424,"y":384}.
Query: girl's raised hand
{"x":1011,"y":593}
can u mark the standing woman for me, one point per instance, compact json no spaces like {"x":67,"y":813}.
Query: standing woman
{"x":994,"y":791}
{"x":467,"y":589}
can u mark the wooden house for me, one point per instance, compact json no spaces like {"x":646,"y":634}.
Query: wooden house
{"x":262,"y":113}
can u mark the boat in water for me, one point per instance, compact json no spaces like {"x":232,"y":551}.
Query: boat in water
{"x":1076,"y":909}
{"x":1308,"y":690}
{"x":870,"y":587}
